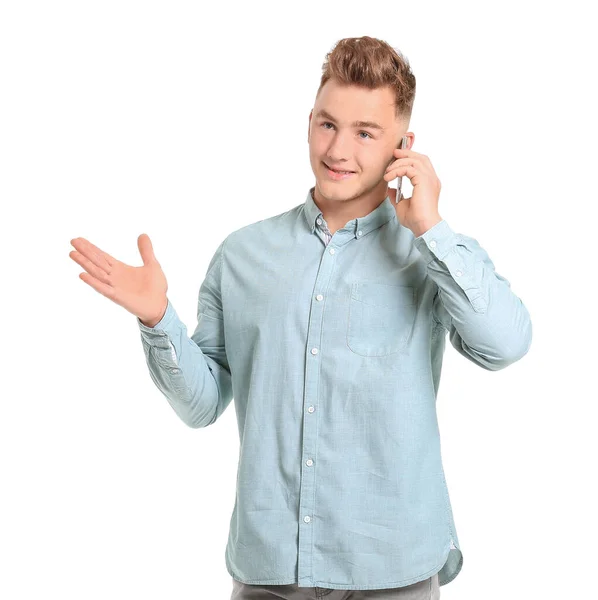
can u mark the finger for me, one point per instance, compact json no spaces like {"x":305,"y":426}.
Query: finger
{"x":423,"y":159}
{"x":146,"y":249}
{"x":403,"y":161}
{"x":98,"y":286}
{"x":408,"y":153}
{"x":92,"y":252}
{"x":90,"y":267}
{"x":400,"y":171}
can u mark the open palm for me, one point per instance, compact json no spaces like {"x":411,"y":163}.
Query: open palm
{"x":140,"y":290}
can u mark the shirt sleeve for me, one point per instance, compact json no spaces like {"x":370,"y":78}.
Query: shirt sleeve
{"x":486,"y":321}
{"x":192,"y":372}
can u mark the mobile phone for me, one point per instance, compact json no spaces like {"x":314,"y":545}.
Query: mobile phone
{"x":400,"y":179}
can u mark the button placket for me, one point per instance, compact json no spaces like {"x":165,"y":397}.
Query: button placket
{"x":308,"y":489}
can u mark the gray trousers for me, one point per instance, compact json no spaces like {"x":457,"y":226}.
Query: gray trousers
{"x":427,"y":589}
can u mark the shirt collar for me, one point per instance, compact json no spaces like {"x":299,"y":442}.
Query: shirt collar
{"x":360,"y":226}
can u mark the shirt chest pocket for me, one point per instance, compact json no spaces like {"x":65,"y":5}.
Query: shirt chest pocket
{"x":381,"y":318}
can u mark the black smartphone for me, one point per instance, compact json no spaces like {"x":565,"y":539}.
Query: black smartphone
{"x":402,"y":145}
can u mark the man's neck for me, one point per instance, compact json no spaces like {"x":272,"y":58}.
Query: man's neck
{"x":338,"y":214}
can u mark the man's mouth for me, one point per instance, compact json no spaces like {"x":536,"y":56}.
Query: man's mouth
{"x":339,"y":171}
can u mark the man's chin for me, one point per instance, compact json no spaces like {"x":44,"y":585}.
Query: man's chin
{"x":336,"y":192}
{"x":340,"y":185}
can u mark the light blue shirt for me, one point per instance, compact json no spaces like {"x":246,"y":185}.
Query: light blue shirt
{"x":333,"y":353}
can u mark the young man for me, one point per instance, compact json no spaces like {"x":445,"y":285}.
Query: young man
{"x":329,"y":321}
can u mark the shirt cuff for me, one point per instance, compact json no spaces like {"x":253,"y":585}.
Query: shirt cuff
{"x":441,"y":244}
{"x":166,"y":327}
{"x":437,"y":242}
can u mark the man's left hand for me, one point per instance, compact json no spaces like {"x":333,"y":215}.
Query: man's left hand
{"x":419,"y":212}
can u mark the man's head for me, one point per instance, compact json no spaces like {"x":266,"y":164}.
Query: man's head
{"x":363,"y":80}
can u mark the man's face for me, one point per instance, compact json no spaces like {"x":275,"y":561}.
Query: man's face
{"x":335,"y":140}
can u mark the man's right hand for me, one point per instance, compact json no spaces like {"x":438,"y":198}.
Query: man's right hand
{"x":141,"y":290}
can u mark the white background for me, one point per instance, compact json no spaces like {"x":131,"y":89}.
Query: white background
{"x":188,"y":121}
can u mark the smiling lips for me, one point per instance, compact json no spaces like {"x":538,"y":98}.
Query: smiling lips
{"x":341,"y":171}
{"x":337,"y":175}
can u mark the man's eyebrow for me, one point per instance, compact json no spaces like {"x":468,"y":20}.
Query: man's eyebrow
{"x":370,"y":124}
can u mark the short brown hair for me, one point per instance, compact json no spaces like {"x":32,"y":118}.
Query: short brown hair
{"x":372,"y":63}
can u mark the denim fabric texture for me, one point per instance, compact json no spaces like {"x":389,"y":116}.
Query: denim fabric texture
{"x":332,"y":349}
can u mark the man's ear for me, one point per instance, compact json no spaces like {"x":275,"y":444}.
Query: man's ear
{"x":309,"y":124}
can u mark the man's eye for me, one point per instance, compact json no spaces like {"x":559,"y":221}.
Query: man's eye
{"x":328,"y":123}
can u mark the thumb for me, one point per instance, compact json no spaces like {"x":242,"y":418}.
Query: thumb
{"x":146,"y":249}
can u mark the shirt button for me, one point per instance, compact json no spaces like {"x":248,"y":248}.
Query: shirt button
{"x":309,"y":462}
{"x":459,"y":273}
{"x":311,"y":409}
{"x":319,"y":297}
{"x":332,"y":250}
{"x":433,"y":244}
{"x":174,"y":370}
{"x":307,"y":519}
{"x":319,"y":221}
{"x":314,"y":350}
{"x":360,"y":233}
